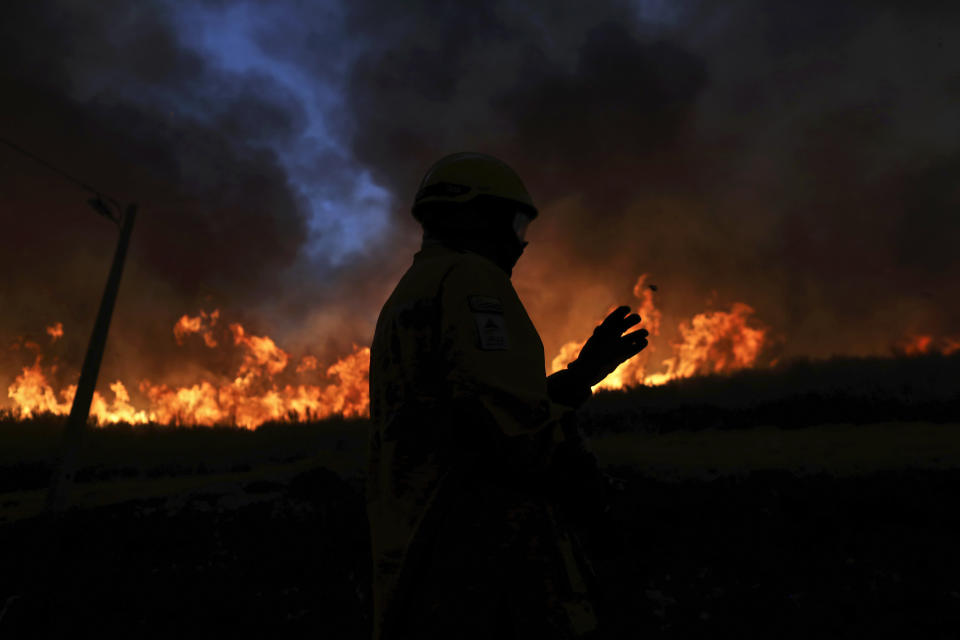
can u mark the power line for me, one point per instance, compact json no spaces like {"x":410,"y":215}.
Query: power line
{"x":97,"y":202}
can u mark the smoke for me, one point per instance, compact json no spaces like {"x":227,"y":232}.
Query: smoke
{"x":111,"y":92}
{"x":799,"y":159}
{"x":794,"y":158}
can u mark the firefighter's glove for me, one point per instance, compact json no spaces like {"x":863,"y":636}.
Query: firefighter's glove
{"x":609,"y":346}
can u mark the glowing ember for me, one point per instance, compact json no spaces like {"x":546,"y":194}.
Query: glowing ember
{"x":951,"y":346}
{"x":711,"y":342}
{"x":55,"y":331}
{"x":916,"y":345}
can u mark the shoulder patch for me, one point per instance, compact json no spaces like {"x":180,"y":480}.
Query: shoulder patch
{"x":491,"y":325}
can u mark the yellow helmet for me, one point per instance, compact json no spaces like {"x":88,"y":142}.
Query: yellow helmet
{"x":461,"y":177}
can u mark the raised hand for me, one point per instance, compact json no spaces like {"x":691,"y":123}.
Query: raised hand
{"x":609,"y":346}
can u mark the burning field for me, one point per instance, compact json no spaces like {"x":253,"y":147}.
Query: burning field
{"x":268,"y":384}
{"x":771,"y":186}
{"x":710,"y":342}
{"x":748,"y":496}
{"x":261,"y":382}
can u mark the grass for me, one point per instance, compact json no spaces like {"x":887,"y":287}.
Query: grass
{"x":795,"y":395}
{"x":154,"y":450}
{"x":230,"y":487}
{"x":804,"y":502}
{"x":841,"y":417}
{"x":123,"y":464}
{"x":838,"y":449}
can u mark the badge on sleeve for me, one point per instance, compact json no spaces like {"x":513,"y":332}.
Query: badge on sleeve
{"x":491,"y":326}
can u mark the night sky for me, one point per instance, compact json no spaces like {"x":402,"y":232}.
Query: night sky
{"x":802,"y":158}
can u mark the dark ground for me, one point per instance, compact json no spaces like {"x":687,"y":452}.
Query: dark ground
{"x":766,"y":555}
{"x":231,"y":546}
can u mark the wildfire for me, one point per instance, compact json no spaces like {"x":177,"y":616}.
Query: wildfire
{"x":923,"y":344}
{"x":250,"y":398}
{"x":269,"y":385}
{"x":711,"y":342}
{"x":32,"y":394}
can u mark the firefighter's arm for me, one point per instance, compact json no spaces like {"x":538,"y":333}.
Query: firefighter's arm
{"x":567,"y":389}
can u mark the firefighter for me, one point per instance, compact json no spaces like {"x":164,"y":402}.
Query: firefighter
{"x":473,"y":449}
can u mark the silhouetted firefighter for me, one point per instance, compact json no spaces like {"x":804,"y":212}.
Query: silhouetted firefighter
{"x":475,"y":458}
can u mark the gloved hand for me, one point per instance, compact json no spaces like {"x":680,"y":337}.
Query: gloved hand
{"x":608,"y":347}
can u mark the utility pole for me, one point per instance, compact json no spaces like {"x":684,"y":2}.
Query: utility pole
{"x":80,"y":410}
{"x":32,"y":606}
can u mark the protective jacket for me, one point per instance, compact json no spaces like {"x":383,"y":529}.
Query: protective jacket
{"x":463,"y":433}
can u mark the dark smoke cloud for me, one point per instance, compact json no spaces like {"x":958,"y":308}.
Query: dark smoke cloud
{"x":800,"y":157}
{"x":108,"y":91}
{"x":795,"y":158}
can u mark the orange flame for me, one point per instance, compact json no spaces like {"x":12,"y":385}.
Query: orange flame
{"x":262,"y":355}
{"x":265,"y":388}
{"x":120,"y":410}
{"x":715,"y":342}
{"x":307,"y":363}
{"x":251,"y":398}
{"x":950,"y":346}
{"x":923,"y":344}
{"x":236,"y":403}
{"x":32,"y":394}
{"x":56,"y":331}
{"x":202,"y":324}
{"x":711,"y":342}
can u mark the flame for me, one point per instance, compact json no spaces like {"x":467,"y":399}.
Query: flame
{"x":647,"y":309}
{"x":248,"y":399}
{"x":262,"y":355}
{"x":716,"y":342}
{"x":120,"y":410}
{"x":307,"y":363}
{"x":923,"y":344}
{"x":265,"y":387}
{"x":33,"y":394}
{"x":711,"y":342}
{"x":236,"y":402}
{"x":55,"y":331}
{"x":202,"y":324}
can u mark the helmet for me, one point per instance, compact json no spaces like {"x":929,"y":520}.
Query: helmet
{"x":460,"y":178}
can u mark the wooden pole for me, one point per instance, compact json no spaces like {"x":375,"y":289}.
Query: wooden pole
{"x":80,"y":410}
